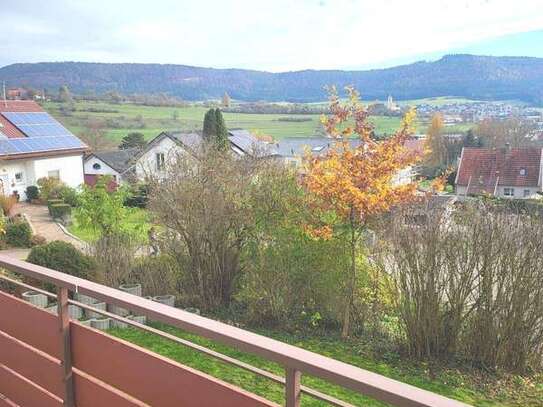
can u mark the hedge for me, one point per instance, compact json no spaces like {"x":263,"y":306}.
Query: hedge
{"x":60,"y":210}
{"x":51,"y":202}
{"x":19,"y":234}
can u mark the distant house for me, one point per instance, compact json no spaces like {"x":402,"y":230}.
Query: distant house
{"x":506,"y":172}
{"x":291,"y":150}
{"x":118,"y":164}
{"x":17,"y":93}
{"x":34,"y":145}
{"x":164,"y":148}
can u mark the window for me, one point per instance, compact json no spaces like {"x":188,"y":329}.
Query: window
{"x":159,"y":161}
{"x":54,"y":174}
{"x":96,"y":166}
{"x":527,"y":193}
{"x":509,"y":192}
{"x":19,"y":177}
{"x":522,"y":171}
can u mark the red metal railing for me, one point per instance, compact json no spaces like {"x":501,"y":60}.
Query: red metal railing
{"x":50,"y":360}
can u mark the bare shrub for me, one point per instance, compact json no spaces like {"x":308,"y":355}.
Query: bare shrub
{"x":158,"y":275}
{"x":203,"y":204}
{"x":114,"y":255}
{"x":469,"y":282}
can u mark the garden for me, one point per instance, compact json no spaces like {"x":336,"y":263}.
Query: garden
{"x":341,"y":262}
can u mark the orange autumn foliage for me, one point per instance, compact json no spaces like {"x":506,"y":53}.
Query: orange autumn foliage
{"x":356,"y":182}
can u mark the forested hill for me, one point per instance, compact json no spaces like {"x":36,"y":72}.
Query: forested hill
{"x":477,"y":77}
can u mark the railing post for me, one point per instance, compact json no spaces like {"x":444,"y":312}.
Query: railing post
{"x":292,"y":387}
{"x":64,"y":319}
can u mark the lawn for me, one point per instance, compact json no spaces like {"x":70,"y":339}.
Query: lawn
{"x":473,"y":389}
{"x":137,"y":222}
{"x":151,"y":120}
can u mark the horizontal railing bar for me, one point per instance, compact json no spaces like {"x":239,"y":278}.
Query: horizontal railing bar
{"x":368,"y":383}
{"x":235,"y":362}
{"x":217,"y":355}
{"x":30,"y":287}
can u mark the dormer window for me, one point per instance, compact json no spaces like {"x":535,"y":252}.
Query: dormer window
{"x":522,"y":171}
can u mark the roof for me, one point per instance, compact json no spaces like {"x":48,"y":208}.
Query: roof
{"x":297,"y":146}
{"x":191,"y":140}
{"x":8,"y":129}
{"x":26,"y":130}
{"x":119,"y":160}
{"x":247,"y":143}
{"x":484,"y":168}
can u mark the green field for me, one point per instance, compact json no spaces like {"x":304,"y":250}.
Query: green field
{"x":473,"y":387}
{"x":151,"y":120}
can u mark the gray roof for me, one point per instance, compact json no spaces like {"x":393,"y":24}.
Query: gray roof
{"x":191,"y":140}
{"x":297,"y":146}
{"x":249,"y":144}
{"x":119,"y":160}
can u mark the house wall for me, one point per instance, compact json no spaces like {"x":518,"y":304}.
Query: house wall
{"x":146,"y":165}
{"x":518,"y":192}
{"x":104,"y":168}
{"x":70,"y":171}
{"x":403,"y":176}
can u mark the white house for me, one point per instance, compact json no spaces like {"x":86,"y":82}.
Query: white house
{"x":119,"y":164}
{"x":164,"y":148}
{"x":34,"y":145}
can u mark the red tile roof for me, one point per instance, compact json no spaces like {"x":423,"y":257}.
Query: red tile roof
{"x":504,"y":167}
{"x":8,"y":129}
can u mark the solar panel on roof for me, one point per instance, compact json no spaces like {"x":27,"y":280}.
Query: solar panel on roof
{"x":36,"y":124}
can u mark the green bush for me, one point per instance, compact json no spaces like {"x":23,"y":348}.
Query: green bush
{"x":64,"y":257}
{"x":50,"y":187}
{"x":19,"y":234}
{"x":51,"y":202}
{"x":32,"y":192}
{"x":69,"y":195}
{"x":60,"y":210}
{"x":138,"y":196}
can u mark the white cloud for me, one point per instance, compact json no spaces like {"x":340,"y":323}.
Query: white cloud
{"x":277,"y":35}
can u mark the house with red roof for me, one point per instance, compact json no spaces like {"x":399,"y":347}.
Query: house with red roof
{"x":34,"y":145}
{"x":504,"y":172}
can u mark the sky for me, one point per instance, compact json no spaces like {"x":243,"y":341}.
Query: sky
{"x":276,"y":35}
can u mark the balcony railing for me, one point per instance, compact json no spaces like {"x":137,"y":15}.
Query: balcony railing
{"x":50,"y":360}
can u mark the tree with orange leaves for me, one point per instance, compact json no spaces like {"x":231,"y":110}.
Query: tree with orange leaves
{"x":352,"y":183}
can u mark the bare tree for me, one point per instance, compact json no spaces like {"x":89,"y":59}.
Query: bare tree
{"x":203,"y":204}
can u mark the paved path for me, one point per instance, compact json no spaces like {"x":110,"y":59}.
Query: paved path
{"x":43,"y":224}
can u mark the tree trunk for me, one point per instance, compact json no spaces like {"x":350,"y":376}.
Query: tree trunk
{"x":345,"y":330}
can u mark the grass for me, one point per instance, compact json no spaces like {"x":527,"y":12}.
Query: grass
{"x":136,"y":222}
{"x":130,"y":117}
{"x":471,"y":388}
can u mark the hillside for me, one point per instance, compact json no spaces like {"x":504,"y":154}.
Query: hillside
{"x":476,"y":77}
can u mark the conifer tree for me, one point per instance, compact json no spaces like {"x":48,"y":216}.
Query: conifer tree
{"x":210,"y":125}
{"x":221,"y":135}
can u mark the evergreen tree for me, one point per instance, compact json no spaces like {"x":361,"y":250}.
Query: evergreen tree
{"x":210,"y":125}
{"x":221,"y":134}
{"x":132,"y":140}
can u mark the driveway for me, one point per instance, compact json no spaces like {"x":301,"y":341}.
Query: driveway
{"x":43,"y":224}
